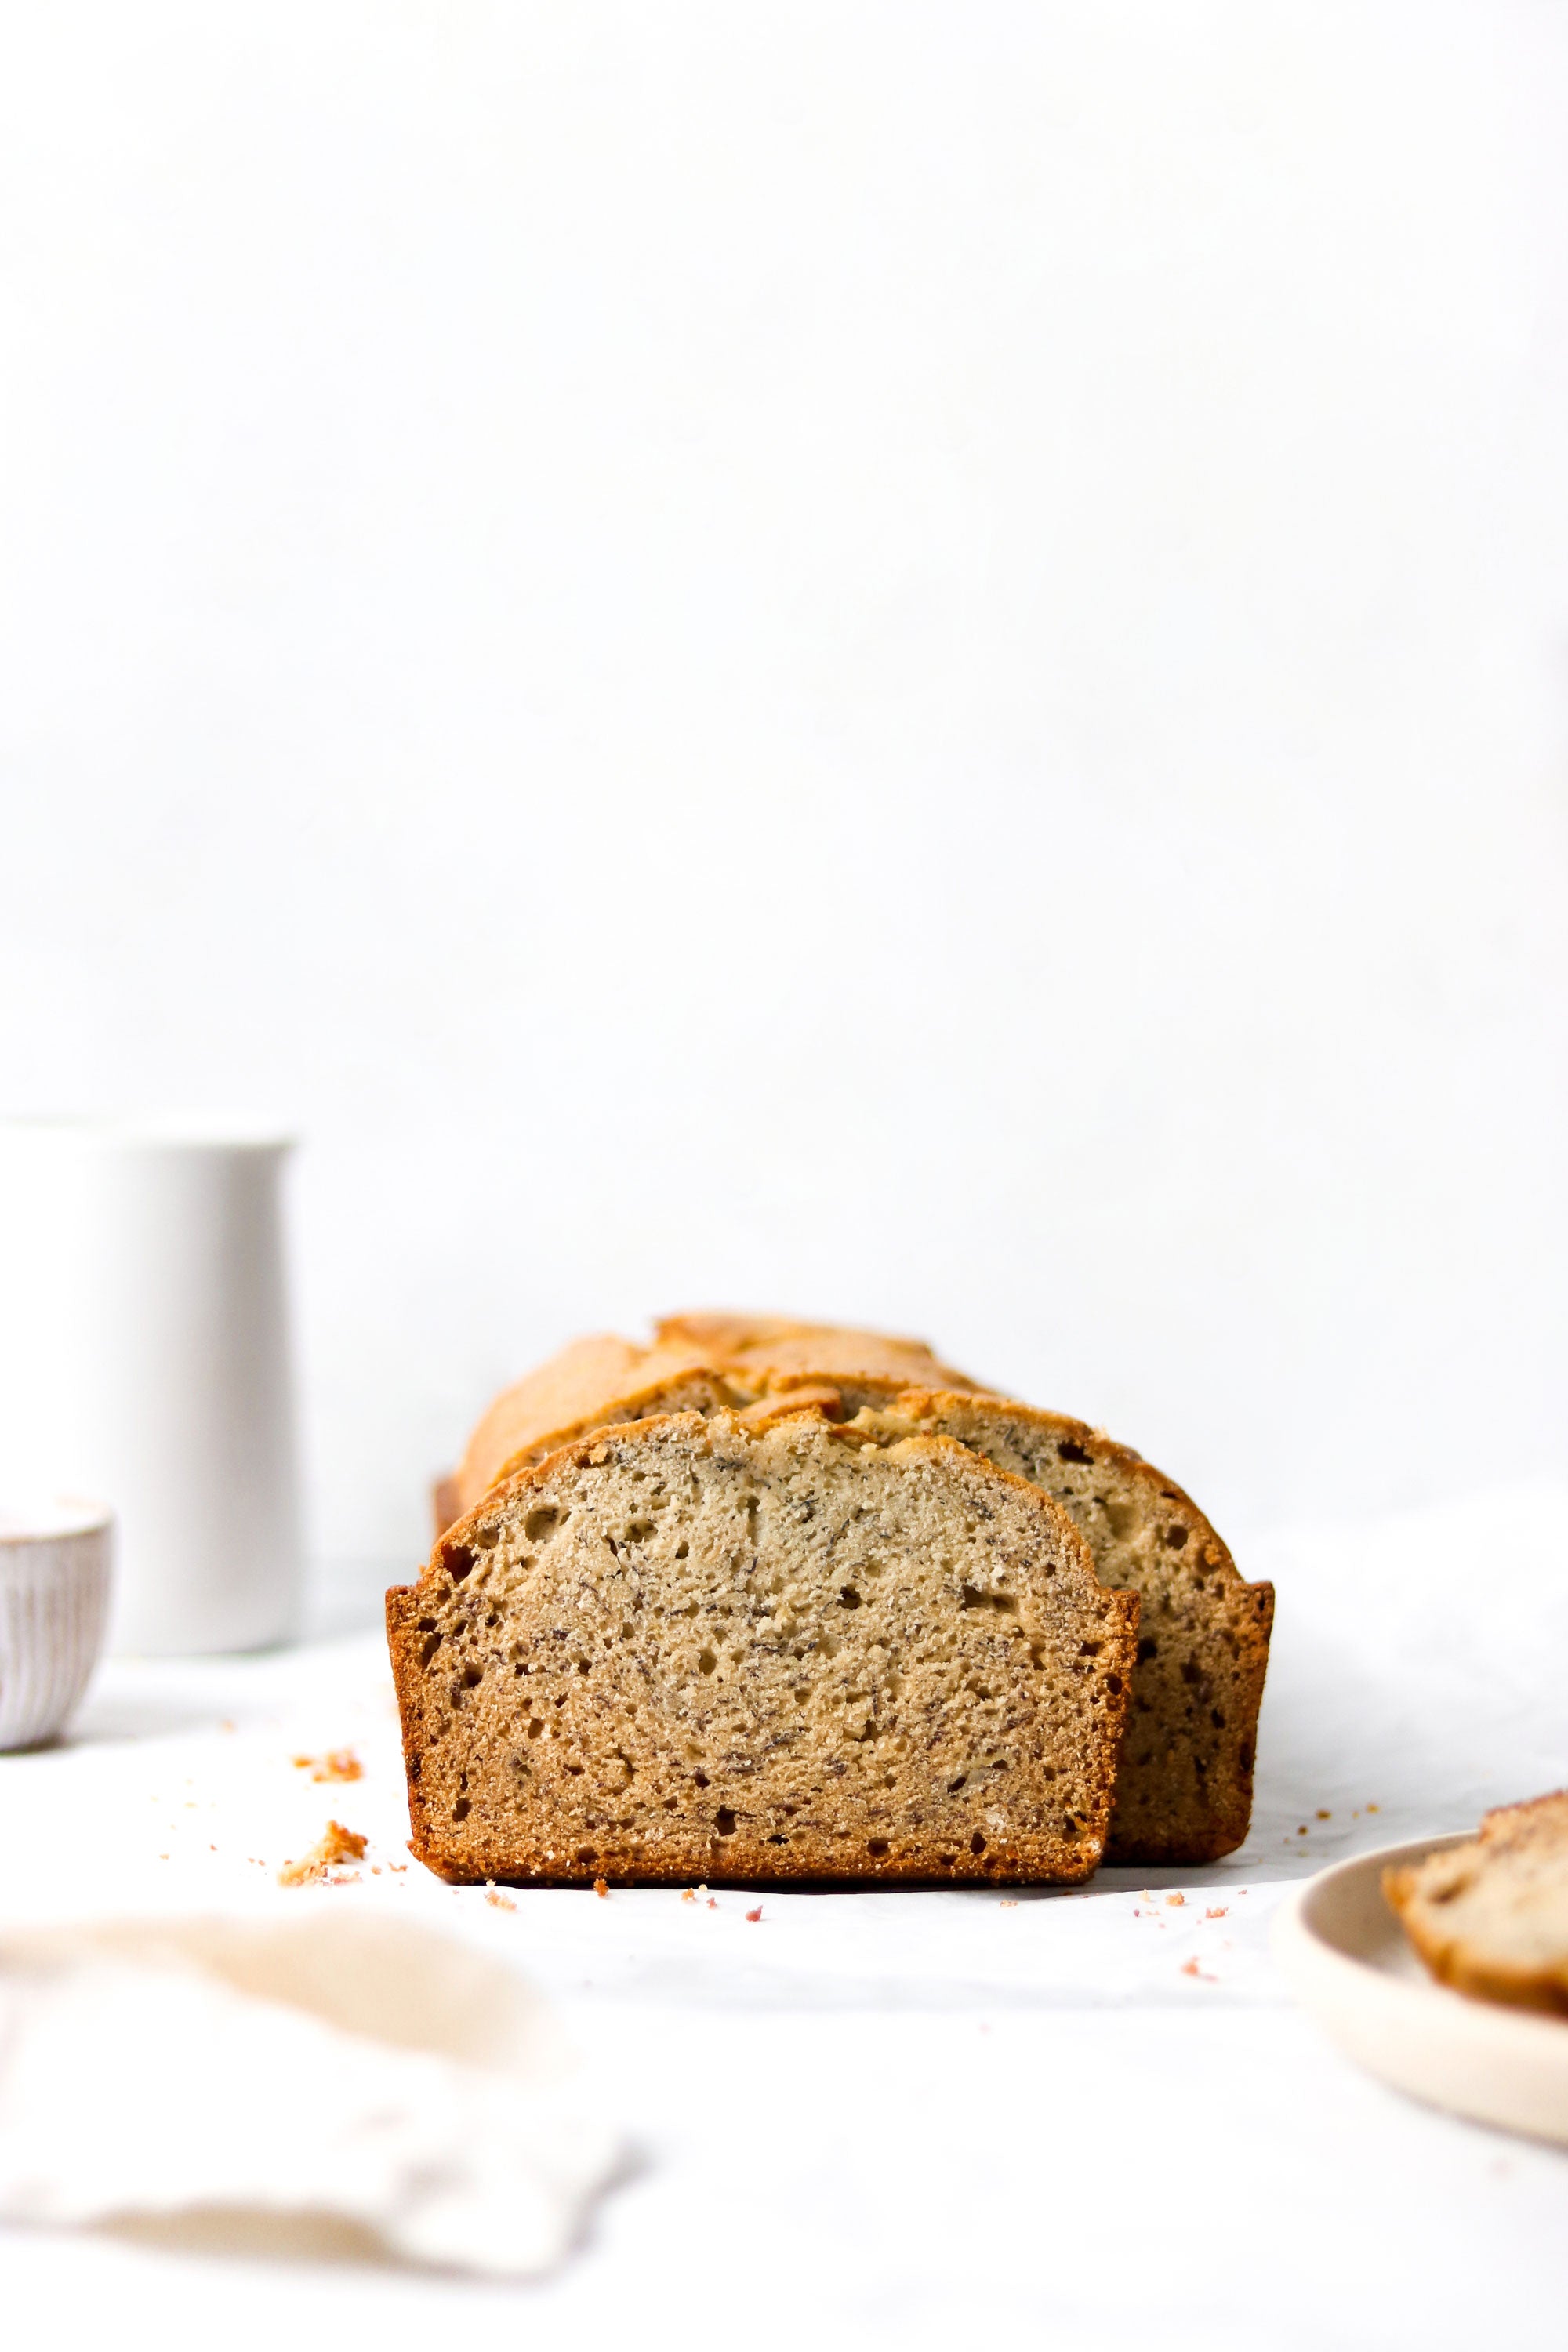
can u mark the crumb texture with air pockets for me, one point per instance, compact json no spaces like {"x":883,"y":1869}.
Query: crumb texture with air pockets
{"x":688,"y":1647}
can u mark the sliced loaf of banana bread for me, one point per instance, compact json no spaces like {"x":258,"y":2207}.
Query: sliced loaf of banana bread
{"x":1184,"y":1792}
{"x":690,"y":1647}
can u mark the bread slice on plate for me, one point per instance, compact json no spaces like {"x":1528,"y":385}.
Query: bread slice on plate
{"x":1184,"y":1792}
{"x":691,"y":1648}
{"x":1490,"y":1917}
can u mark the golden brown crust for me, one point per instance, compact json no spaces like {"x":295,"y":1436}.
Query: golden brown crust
{"x":778,"y":1344}
{"x":403,"y":1605}
{"x":410,"y":1621}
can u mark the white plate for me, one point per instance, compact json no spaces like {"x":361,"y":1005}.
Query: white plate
{"x":1349,"y":1961}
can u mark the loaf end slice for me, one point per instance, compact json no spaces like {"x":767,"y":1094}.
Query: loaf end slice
{"x":685,"y":1648}
{"x":1490,"y":1917}
{"x":1183,"y":1793}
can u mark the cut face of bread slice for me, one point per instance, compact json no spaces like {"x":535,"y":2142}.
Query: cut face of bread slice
{"x":691,"y":1648}
{"x":1184,"y":1792}
{"x":1490,"y":1917}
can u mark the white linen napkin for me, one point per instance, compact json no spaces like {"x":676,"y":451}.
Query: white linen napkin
{"x":332,"y":2081}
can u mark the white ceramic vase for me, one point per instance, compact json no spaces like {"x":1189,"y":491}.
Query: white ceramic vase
{"x":145,"y":1357}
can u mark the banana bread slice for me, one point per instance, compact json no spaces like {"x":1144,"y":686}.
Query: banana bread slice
{"x":1490,"y":1917}
{"x":687,"y":1647}
{"x":1183,"y":1791}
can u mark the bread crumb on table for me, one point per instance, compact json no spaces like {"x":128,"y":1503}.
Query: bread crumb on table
{"x":1218,"y":1913}
{"x":337,"y":1764}
{"x":335,"y":1844}
{"x":1010,"y":1903}
{"x":1175,"y":1901}
{"x":496,"y":1899}
{"x":756,"y":1915}
{"x":601,"y":1888}
{"x":689,"y":1895}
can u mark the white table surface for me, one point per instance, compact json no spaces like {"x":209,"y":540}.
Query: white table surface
{"x":904,"y":2118}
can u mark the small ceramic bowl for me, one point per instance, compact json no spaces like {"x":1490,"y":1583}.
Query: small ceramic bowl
{"x":54,"y":1606}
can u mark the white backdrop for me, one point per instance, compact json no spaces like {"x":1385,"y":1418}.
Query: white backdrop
{"x":899,"y":660}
